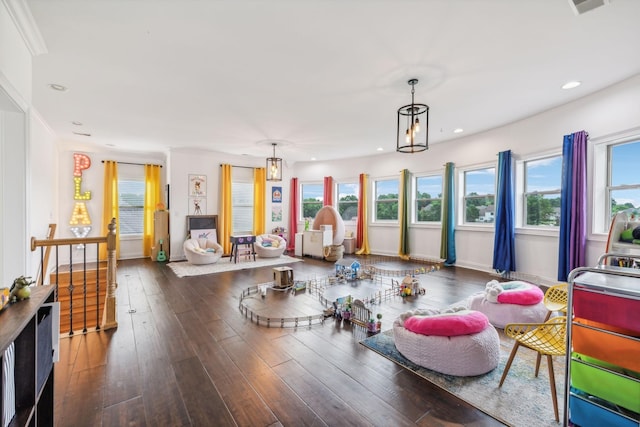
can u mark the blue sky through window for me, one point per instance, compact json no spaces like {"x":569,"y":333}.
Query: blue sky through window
{"x":624,"y":161}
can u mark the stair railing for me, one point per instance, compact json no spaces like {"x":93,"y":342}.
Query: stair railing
{"x":106,"y":319}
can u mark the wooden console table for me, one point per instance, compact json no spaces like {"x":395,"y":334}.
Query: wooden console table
{"x":242,"y":245}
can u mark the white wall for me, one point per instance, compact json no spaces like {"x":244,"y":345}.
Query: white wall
{"x":15,"y":96}
{"x":42,"y":184}
{"x":607,"y":112}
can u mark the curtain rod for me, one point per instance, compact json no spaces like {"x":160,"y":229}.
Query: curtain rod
{"x":138,"y":164}
{"x":244,"y":167}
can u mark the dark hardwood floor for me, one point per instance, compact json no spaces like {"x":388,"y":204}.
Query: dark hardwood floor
{"x":183,"y":355}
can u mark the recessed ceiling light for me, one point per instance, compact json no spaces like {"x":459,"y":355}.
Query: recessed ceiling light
{"x":458,"y":130}
{"x":571,"y":85}
{"x":110,"y":145}
{"x":75,"y":123}
{"x":379,"y":149}
{"x":58,"y":87}
{"x":313,"y":158}
{"x":81,"y":134}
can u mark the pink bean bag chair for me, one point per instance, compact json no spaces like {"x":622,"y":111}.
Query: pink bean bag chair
{"x":510,"y":302}
{"x":456,"y":342}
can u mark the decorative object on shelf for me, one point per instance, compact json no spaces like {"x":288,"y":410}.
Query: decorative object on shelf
{"x":408,"y":140}
{"x":4,"y":297}
{"x":274,"y":166}
{"x":20,"y":289}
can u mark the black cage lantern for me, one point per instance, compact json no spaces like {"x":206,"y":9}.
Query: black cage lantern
{"x":274,"y":166}
{"x":413,"y":125}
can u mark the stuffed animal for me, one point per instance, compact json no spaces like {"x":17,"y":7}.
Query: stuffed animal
{"x":20,"y":289}
{"x":492,"y":290}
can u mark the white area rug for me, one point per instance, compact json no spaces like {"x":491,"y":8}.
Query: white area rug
{"x":183,"y":269}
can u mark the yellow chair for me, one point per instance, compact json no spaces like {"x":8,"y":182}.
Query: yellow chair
{"x":555,"y":299}
{"x":548,"y":338}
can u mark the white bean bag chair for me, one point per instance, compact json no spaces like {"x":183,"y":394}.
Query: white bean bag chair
{"x":510,"y":302}
{"x":328,"y":215}
{"x":202,"y":251}
{"x":441,"y":344}
{"x":269,"y":245}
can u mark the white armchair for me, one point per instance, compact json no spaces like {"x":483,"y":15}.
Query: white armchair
{"x":202,"y":251}
{"x":270,"y":245}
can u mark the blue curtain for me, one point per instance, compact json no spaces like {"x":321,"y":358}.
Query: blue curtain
{"x":573,"y":206}
{"x":448,"y":238}
{"x":504,"y":248}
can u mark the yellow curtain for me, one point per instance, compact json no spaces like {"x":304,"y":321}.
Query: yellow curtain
{"x":225,"y":225}
{"x":259,"y":205}
{"x":110,"y":205}
{"x":363,"y":214}
{"x":152,"y":196}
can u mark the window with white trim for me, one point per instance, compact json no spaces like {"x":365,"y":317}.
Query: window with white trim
{"x":242,"y":207}
{"x":479,"y":195}
{"x":348,"y":200}
{"x":542,"y":182}
{"x":386,"y":202}
{"x":131,"y":190}
{"x":311,"y":200}
{"x":428,"y":199}
{"x":623,"y":186}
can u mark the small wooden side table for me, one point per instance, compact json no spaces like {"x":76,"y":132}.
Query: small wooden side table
{"x":247,"y":242}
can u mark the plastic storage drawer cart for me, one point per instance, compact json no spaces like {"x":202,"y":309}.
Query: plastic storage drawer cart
{"x":603,"y":339}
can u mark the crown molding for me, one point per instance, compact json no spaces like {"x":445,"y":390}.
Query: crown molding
{"x":26,"y":25}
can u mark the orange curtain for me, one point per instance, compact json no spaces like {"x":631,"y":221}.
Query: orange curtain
{"x":293,"y":214}
{"x":226,"y":223}
{"x":327,"y":199}
{"x":152,"y":196}
{"x":362,"y":238}
{"x":259,"y":205}
{"x":110,"y":205}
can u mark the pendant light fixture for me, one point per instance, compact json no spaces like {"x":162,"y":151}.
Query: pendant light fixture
{"x":413,"y":125}
{"x":274,"y":166}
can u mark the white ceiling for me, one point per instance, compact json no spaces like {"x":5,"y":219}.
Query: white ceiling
{"x":322,"y":77}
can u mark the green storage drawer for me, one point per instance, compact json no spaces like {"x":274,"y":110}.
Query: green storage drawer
{"x":606,"y":384}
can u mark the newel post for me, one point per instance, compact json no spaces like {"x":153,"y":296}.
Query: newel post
{"x":109,"y":320}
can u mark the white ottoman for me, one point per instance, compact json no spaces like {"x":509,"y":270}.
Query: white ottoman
{"x":461,"y":355}
{"x":500,"y":314}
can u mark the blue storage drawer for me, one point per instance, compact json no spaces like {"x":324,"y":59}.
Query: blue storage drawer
{"x":584,"y":413}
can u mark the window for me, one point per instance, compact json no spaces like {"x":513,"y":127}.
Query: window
{"x":386,"y":200}
{"x":242,"y":207}
{"x":428,"y":198}
{"x":131,"y":206}
{"x":348,"y":201}
{"x":312,"y":195}
{"x":479,"y":195}
{"x":542,"y":181}
{"x":623,"y":186}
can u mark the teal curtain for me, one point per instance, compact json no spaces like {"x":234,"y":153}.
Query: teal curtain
{"x":448,"y":241}
{"x":403,"y":214}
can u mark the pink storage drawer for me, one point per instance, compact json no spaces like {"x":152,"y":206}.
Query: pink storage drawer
{"x":606,"y":308}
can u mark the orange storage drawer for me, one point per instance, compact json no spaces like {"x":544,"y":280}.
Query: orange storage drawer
{"x":604,"y":308}
{"x":614,"y":349}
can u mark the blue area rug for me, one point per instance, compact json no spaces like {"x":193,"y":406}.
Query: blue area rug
{"x":522,"y":401}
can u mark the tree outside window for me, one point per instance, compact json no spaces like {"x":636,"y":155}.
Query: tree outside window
{"x":624,"y":180}
{"x":348,"y":201}
{"x":479,"y":199}
{"x":312,"y":196}
{"x":428,"y":198}
{"x":387,"y":200}
{"x":542,"y":191}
